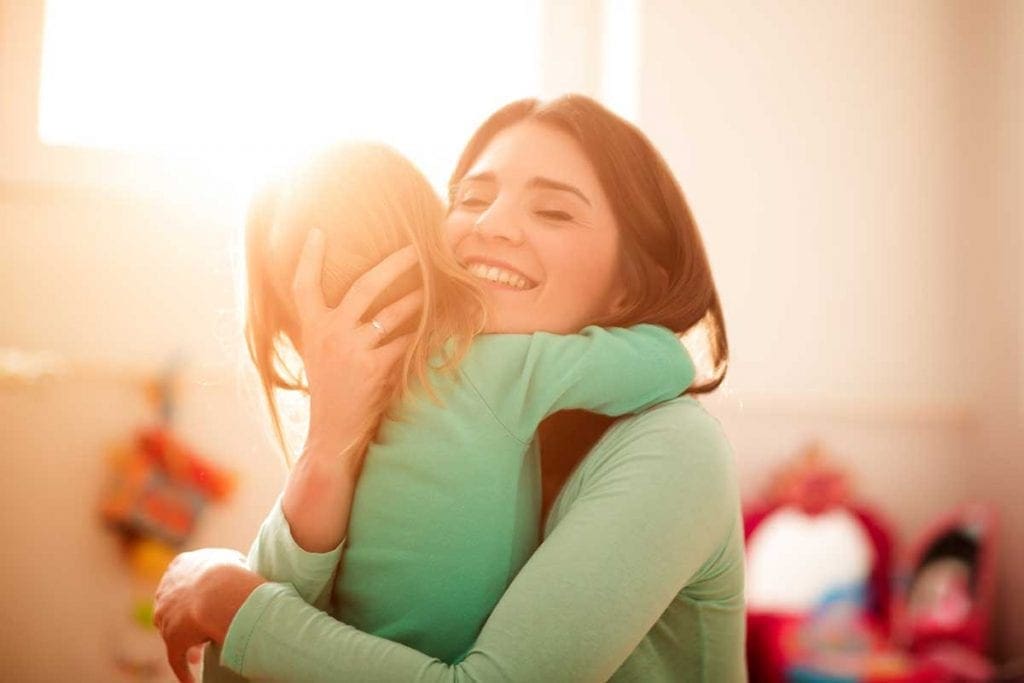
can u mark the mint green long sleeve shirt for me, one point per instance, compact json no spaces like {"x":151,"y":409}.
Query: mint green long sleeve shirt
{"x":639,"y":578}
{"x":445,"y":512}
{"x":446,"y":509}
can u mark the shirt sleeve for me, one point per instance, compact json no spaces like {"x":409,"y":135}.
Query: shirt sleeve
{"x":650,"y":518}
{"x":612,"y":371}
{"x":276,"y":556}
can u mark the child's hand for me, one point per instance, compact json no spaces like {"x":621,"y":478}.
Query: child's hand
{"x":348,"y":368}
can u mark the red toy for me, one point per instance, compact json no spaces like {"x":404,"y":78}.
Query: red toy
{"x":812,"y":495}
{"x":159,"y":487}
{"x":950,"y":582}
{"x":831,"y":617}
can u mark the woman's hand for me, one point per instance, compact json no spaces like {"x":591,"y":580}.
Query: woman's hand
{"x":348,"y":368}
{"x":196,"y":600}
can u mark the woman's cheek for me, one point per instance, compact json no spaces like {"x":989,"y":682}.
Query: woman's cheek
{"x":455,"y":228}
{"x":589,"y":274}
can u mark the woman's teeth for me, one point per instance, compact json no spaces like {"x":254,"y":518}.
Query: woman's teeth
{"x":495,"y":274}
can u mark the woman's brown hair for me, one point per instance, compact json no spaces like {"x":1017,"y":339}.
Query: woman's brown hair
{"x":666,"y":278}
{"x":369,"y":201}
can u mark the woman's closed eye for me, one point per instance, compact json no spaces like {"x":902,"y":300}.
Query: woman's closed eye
{"x":474,"y":203}
{"x":556,"y":206}
{"x":557,"y":215}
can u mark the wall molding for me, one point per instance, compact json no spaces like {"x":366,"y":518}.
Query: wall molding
{"x":881,"y":411}
{"x":23,"y":369}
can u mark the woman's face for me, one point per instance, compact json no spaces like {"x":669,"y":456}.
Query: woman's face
{"x":530,"y":219}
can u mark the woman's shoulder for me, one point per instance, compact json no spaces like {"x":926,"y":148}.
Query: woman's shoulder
{"x":675,"y":448}
{"x":681,"y":414}
{"x":669,"y":465}
{"x":680,"y":430}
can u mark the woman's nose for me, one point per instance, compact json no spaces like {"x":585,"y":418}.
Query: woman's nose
{"x":501,"y":221}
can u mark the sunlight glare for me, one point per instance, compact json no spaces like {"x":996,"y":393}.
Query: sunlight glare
{"x":239,"y":87}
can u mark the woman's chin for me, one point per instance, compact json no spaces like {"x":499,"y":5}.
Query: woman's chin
{"x":510,"y":310}
{"x":506,"y":322}
{"x":499,"y":326}
{"x":525,"y":323}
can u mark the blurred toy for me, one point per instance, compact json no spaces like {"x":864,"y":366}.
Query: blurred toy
{"x":156,"y":490}
{"x":811,"y":482}
{"x":159,"y":487}
{"x":943,"y":612}
{"x":148,"y":558}
{"x":819,"y":601}
{"x":818,"y":567}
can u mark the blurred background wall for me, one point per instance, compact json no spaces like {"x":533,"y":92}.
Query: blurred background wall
{"x":855,"y":168}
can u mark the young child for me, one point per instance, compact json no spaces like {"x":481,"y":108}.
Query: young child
{"x":446,"y":510}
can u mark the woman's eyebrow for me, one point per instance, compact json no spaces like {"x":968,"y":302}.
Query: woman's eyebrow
{"x":482,"y":177}
{"x":550,"y":184}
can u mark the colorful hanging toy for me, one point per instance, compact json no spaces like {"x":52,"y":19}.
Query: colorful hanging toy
{"x":158,"y":485}
{"x":159,"y":488}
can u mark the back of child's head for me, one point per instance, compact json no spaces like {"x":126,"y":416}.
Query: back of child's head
{"x":369,"y":201}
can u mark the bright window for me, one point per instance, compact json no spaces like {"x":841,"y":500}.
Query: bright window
{"x":241,"y":85}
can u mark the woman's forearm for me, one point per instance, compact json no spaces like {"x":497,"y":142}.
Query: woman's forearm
{"x":221,"y":593}
{"x":318,"y":494}
{"x":661,"y":502}
{"x":349,"y":367}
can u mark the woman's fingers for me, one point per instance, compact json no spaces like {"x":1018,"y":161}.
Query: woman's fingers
{"x":306,"y":285}
{"x":195,"y":653}
{"x":374,"y":281}
{"x":393,"y":350}
{"x":393,"y":316}
{"x":179,"y":664}
{"x":178,"y":599}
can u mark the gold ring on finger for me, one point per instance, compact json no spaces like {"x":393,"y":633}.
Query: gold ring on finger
{"x":379,"y":326}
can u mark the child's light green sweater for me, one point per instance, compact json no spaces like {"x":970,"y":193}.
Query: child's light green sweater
{"x":446,"y":509}
{"x":445,"y":512}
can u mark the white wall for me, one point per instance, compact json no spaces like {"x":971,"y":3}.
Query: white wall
{"x":813,"y":141}
{"x":995,"y":466}
{"x":123,"y":283}
{"x":855,"y":169}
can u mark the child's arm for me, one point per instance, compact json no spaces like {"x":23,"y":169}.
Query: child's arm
{"x":612,"y":371}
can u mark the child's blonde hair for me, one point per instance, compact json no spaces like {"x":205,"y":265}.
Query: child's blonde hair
{"x":369,"y":201}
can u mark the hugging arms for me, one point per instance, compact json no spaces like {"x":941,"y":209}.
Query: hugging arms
{"x":639,"y":574}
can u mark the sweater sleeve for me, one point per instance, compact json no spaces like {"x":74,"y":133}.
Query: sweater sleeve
{"x":651,"y":516}
{"x":276,"y":556}
{"x":612,"y":371}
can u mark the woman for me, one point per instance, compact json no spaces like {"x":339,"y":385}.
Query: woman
{"x":640,"y":574}
{"x":427,"y":573}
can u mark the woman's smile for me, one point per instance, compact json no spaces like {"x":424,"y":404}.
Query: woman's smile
{"x":520,"y":220}
{"x":499,"y":274}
